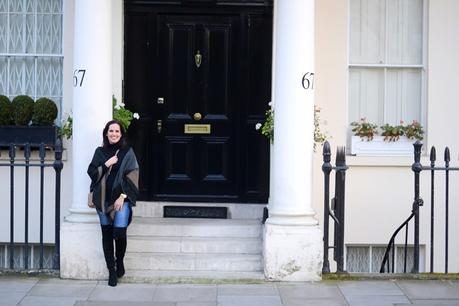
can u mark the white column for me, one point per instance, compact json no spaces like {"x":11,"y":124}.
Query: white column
{"x":293,"y":239}
{"x":92,"y":94}
{"x":81,"y":247}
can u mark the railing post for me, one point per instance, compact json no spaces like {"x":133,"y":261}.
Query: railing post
{"x":417,"y":168}
{"x":326,"y":168}
{"x":340,"y":182}
{"x":12,"y":155}
{"x":433,"y":157}
{"x":447,"y":160}
{"x":58,"y":165}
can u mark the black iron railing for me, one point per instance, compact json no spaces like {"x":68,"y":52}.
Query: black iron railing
{"x":336,"y":212}
{"x":27,"y":163}
{"x":388,"y":262}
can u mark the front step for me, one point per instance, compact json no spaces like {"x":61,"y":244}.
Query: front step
{"x":193,"y":262}
{"x":216,"y":245}
{"x":171,"y":276}
{"x":182,"y":248}
{"x":181,"y":227}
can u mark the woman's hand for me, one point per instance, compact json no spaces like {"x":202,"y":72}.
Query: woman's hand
{"x":111,"y":161}
{"x":119,"y":203}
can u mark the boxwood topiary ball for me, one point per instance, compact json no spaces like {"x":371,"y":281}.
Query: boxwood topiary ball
{"x":44,"y":112}
{"x":6,"y":110}
{"x":22,"y":109}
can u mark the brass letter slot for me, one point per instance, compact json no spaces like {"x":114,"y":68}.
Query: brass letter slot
{"x":197,"y":128}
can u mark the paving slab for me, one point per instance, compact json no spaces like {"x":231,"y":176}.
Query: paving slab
{"x":429,"y":290}
{"x":432,"y":302}
{"x":314,"y":302}
{"x":123,"y":292}
{"x":11,"y":299}
{"x":197,"y":304}
{"x":263,"y":290}
{"x":309,"y":291}
{"x":63,"y":288}
{"x":377,"y":300}
{"x":21,"y":284}
{"x":249,"y":301}
{"x":185,"y":293}
{"x":123,"y":303}
{"x":46,"y":301}
{"x":379,"y":288}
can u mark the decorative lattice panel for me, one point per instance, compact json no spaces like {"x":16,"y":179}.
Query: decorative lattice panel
{"x":31,"y":60}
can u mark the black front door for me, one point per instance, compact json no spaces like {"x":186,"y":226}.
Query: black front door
{"x":200,"y":79}
{"x":197,"y":108}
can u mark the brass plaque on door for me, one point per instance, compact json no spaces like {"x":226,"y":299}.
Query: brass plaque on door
{"x":197,"y":128}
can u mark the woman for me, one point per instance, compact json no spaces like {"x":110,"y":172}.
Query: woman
{"x":114,"y":176}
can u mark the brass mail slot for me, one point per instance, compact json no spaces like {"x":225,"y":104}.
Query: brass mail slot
{"x":197,"y":128}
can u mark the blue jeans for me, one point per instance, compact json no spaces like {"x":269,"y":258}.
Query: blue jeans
{"x":121,"y":217}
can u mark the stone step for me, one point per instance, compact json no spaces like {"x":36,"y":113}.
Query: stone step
{"x":193,"y":262}
{"x":194,"y":245}
{"x":235,"y":210}
{"x":181,"y":276}
{"x":184,"y":227}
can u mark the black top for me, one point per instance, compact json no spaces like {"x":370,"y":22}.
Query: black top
{"x":108,"y":152}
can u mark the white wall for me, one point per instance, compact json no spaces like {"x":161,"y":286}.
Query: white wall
{"x":379,"y":190}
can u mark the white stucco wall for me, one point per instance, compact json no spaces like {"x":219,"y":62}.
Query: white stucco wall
{"x":380,"y":190}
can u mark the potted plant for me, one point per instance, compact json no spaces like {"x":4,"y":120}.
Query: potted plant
{"x":25,"y":121}
{"x":267,"y":128}
{"x":395,"y":140}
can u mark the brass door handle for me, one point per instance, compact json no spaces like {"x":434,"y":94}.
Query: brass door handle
{"x":159,"y":126}
{"x":197,"y":116}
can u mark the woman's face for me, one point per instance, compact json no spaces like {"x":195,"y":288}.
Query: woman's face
{"x":113,"y":133}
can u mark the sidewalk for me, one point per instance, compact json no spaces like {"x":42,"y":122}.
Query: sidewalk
{"x":35,"y":291}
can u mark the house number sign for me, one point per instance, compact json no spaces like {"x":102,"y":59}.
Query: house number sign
{"x":78,"y":77}
{"x":308,"y":80}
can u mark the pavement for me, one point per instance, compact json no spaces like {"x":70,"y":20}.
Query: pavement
{"x":40,"y":291}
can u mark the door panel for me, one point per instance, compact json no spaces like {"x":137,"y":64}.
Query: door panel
{"x":193,"y":88}
{"x":230,"y":90}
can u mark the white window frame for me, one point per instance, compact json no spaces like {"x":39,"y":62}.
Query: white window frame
{"x":422,"y":66}
{"x":9,"y":55}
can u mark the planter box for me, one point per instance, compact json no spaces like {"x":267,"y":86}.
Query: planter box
{"x":379,"y":147}
{"x":35,"y":135}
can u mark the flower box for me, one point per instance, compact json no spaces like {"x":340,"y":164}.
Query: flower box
{"x":379,"y":147}
{"x":35,"y":135}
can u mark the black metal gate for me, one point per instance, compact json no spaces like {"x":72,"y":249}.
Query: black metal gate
{"x":26,"y":163}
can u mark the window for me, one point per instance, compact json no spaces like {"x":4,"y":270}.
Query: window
{"x":386,"y":61}
{"x":368,"y":258}
{"x":31,"y":59}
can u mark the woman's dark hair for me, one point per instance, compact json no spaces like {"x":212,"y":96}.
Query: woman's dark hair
{"x":122,"y":142}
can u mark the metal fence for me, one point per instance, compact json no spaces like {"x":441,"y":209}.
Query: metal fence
{"x":388,"y":262}
{"x":14,"y":164}
{"x":336,"y":211}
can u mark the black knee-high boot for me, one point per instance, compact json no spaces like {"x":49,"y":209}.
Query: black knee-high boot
{"x":107,"y":245}
{"x":119,"y":233}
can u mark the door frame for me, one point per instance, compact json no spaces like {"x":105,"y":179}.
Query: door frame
{"x":153,"y":8}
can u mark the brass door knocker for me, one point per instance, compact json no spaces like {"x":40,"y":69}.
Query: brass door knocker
{"x":198,"y":59}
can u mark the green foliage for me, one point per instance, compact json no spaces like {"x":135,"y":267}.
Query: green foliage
{"x":364,"y":129}
{"x":22,"y":110}
{"x":392,"y":132}
{"x":414,"y":130}
{"x":319,"y":136}
{"x":267,"y":128}
{"x":44,"y":112}
{"x":122,"y":114}
{"x":367,"y":130}
{"x":66,"y":130}
{"x":6,"y":110}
